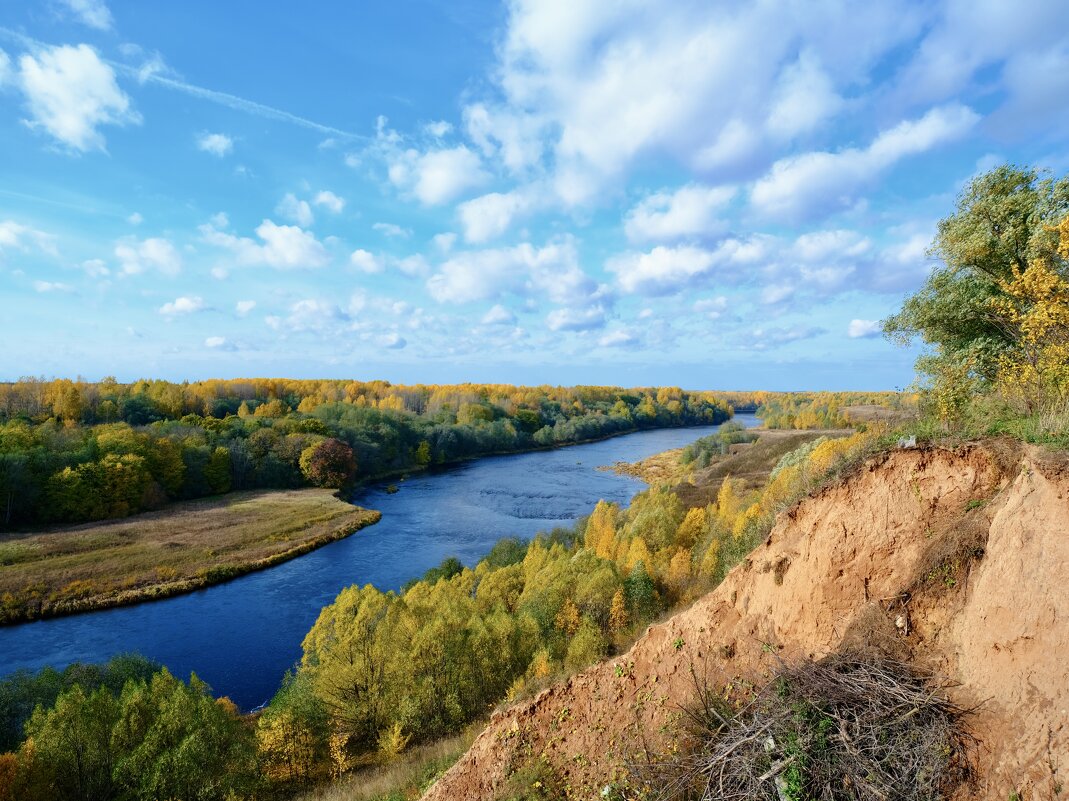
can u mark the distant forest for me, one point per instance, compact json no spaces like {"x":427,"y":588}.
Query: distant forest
{"x":73,"y":451}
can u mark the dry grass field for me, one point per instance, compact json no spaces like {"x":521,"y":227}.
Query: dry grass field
{"x":185,"y":547}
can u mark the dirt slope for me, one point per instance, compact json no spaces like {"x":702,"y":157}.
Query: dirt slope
{"x":897,"y":540}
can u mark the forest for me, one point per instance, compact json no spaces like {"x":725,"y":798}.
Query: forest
{"x":77,"y":451}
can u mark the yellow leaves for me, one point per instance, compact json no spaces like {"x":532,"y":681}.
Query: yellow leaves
{"x":679,"y":570}
{"x":1035,"y":307}
{"x":568,"y":618}
{"x":637,"y":552}
{"x":710,"y":559}
{"x":600,"y":532}
{"x":392,"y":741}
{"x":619,"y":619}
{"x":692,"y":528}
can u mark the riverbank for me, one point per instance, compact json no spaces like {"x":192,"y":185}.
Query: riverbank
{"x":186,"y":547}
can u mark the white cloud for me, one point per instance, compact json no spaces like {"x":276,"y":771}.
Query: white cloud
{"x":294,"y":210}
{"x":52,"y":286}
{"x":523,"y":269}
{"x":414,"y":266}
{"x":215,"y":342}
{"x":18,"y":237}
{"x":331,"y":202}
{"x":283,"y":246}
{"x":444,"y":242}
{"x":804,"y":98}
{"x":585,"y":319}
{"x":600,"y":86}
{"x":498,"y":315}
{"x":5,"y":68}
{"x":217,"y":144}
{"x":864,"y":329}
{"x":70,"y":92}
{"x":94,"y":13}
{"x":489,"y":216}
{"x":662,"y":270}
{"x":437,"y":176}
{"x":243,"y":307}
{"x":182,"y":305}
{"x":810,"y":184}
{"x":156,"y":253}
{"x":366,"y":261}
{"x":711,"y":307}
{"x":619,"y":338}
{"x":438,"y":129}
{"x":135,"y":219}
{"x":95,"y":268}
{"x":391,"y":230}
{"x":391,"y":341}
{"x":691,"y":210}
{"x":776,"y":293}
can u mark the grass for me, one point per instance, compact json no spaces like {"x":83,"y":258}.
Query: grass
{"x":406,"y":777}
{"x":188,"y":546}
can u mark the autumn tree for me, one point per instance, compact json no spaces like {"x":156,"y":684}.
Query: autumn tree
{"x":1002,"y":224}
{"x":329,"y":463}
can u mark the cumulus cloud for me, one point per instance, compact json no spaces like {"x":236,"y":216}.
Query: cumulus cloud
{"x":864,"y":329}
{"x":139,"y":256}
{"x":572,"y":319}
{"x":94,"y":13}
{"x":366,"y":261}
{"x":243,"y":307}
{"x":391,"y":230}
{"x":294,"y":210}
{"x":667,"y":269}
{"x":217,"y":144}
{"x":552,"y":270}
{"x":391,"y":341}
{"x":690,"y":211}
{"x":331,"y":202}
{"x":489,"y":216}
{"x":135,"y":219}
{"x":498,"y":315}
{"x":182,"y":305}
{"x":16,"y":236}
{"x":619,"y":338}
{"x":808,"y":185}
{"x":804,"y":98}
{"x":70,"y":93}
{"x":596,"y":86}
{"x":438,"y":175}
{"x":52,"y":286}
{"x":284,"y":247}
{"x":215,"y":342}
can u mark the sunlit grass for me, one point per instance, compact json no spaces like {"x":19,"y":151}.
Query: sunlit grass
{"x":189,"y":545}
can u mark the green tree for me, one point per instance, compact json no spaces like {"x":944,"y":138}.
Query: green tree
{"x":69,"y":746}
{"x":1001,"y":224}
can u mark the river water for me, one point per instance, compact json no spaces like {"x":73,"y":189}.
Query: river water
{"x":242,"y":636}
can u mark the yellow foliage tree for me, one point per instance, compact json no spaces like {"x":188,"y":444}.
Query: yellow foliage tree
{"x":619,"y":619}
{"x":600,"y":532}
{"x":692,"y":528}
{"x":568,"y":618}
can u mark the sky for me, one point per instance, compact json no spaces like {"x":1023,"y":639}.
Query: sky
{"x":701,"y":194}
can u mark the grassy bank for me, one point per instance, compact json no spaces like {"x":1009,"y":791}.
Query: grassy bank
{"x":188,"y":546}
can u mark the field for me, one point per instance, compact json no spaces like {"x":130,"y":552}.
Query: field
{"x":188,"y":546}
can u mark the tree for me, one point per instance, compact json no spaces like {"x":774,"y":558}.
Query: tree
{"x":329,"y":463}
{"x":1002,"y":223}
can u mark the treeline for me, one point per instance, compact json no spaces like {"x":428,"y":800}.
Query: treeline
{"x":383,"y":670}
{"x":74,"y":451}
{"x":808,"y":410}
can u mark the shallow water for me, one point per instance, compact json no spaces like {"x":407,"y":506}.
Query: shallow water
{"x":242,"y":636}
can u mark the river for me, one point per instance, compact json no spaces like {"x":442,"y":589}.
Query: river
{"x":241,"y":636}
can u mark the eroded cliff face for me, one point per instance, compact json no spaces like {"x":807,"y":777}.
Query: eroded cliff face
{"x":957,"y":561}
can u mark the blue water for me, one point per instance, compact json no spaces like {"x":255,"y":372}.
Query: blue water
{"x":242,"y":636}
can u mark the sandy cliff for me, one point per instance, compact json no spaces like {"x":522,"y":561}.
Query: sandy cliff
{"x":967,"y":550}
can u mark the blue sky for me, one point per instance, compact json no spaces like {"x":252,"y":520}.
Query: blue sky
{"x":697,"y":193}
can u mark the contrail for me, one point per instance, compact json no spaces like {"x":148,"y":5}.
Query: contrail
{"x":212,"y":96}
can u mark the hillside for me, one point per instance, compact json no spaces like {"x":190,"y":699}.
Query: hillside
{"x":964,"y":549}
